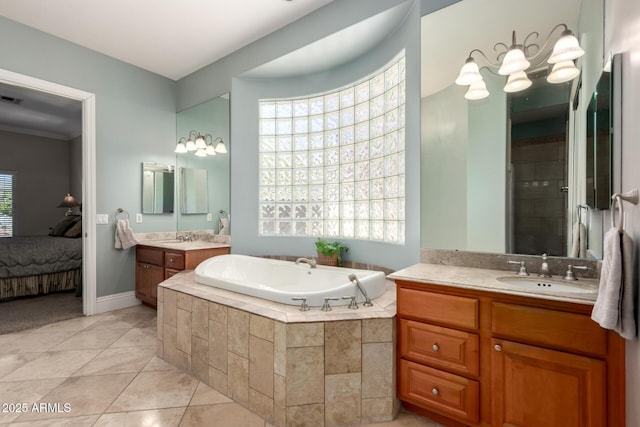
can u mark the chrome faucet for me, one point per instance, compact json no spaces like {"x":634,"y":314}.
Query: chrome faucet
{"x":523,"y":269}
{"x":544,"y":268}
{"x":311,"y":262}
{"x":569,"y":274}
{"x":367,"y":301}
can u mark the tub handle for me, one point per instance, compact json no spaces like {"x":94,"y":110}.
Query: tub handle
{"x":326,"y":306}
{"x":303,"y":304}
{"x":352,"y":304}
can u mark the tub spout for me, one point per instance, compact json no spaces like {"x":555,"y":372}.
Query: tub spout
{"x":311,"y":262}
{"x":367,"y":300}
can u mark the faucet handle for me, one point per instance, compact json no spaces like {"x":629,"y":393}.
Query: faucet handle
{"x":326,"y":306}
{"x":352,"y":304}
{"x":523,"y":269}
{"x":303,"y":304}
{"x":569,"y":273}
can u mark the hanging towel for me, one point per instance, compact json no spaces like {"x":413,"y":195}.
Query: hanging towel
{"x":124,"y":235}
{"x":615,"y":303}
{"x":224,"y":226}
{"x":579,"y":247}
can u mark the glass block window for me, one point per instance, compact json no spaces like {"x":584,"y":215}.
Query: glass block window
{"x":333,"y":164}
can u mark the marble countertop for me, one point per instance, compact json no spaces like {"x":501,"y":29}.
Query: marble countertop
{"x":183,"y":246}
{"x":487,"y":280}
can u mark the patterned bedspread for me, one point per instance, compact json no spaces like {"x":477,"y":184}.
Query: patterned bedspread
{"x":31,"y":255}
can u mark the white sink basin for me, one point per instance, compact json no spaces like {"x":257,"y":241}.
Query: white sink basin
{"x":547,"y":285}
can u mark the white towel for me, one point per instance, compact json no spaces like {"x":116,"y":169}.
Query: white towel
{"x":579,"y":247}
{"x":124,"y":235}
{"x":615,"y":303}
{"x":224,"y":226}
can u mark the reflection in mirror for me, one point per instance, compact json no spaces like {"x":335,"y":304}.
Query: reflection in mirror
{"x":157,"y":188}
{"x":494,"y":171}
{"x":210,"y":120}
{"x":193,"y":187}
{"x":599,"y":139}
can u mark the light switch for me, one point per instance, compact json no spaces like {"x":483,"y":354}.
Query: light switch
{"x":138,"y":218}
{"x":209,"y":217}
{"x":102,"y":219}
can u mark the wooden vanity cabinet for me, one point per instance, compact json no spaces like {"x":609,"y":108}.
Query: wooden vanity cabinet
{"x":155,"y":264}
{"x":476,"y":358}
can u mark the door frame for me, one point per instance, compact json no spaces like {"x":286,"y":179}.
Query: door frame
{"x":88,"y":99}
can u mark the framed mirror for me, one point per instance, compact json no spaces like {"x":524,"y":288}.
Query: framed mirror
{"x":157,"y":188}
{"x":193,"y":188}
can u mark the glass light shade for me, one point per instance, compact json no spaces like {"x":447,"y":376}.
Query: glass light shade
{"x":517,"y":82}
{"x":221,"y":148}
{"x":563,"y":72}
{"x":566,"y":48}
{"x":477,"y":90}
{"x":513,"y":62}
{"x":201,"y":152}
{"x":191,"y":146}
{"x":469,"y":73}
{"x":210,"y":151}
{"x":200,"y":143}
{"x":181,"y":148}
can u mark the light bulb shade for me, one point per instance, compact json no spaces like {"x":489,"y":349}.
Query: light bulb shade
{"x":477,"y":90}
{"x":209,"y":151}
{"x":200,"y":143}
{"x":469,"y":73}
{"x":201,"y":152}
{"x":181,"y":148}
{"x":221,"y":148}
{"x":517,"y":82}
{"x":563,"y":72}
{"x":513,"y":62}
{"x":191,"y":146}
{"x":566,"y":48}
{"x":68,"y":202}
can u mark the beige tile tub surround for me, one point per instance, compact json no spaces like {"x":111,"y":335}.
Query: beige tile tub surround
{"x":289,"y":368}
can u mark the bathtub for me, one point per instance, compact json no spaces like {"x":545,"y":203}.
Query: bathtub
{"x":280,"y":281}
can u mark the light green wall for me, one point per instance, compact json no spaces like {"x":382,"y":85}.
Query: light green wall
{"x":135,"y":122}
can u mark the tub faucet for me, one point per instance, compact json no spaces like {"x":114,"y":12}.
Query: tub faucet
{"x":367,"y":301}
{"x":544,"y":268}
{"x":311,"y":262}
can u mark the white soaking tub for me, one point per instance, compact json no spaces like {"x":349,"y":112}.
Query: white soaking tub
{"x":280,"y":281}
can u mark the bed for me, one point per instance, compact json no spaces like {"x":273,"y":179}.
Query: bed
{"x":34,"y":265}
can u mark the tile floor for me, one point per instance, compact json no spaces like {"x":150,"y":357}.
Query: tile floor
{"x":102,"y":371}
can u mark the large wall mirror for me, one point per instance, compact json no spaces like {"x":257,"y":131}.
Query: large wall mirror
{"x":157,"y":188}
{"x":203,"y":185}
{"x":497,"y":172}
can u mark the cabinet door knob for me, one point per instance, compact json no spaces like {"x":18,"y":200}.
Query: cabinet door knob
{"x":435,"y":347}
{"x":435,"y":391}
{"x":170,"y":259}
{"x":497,"y":347}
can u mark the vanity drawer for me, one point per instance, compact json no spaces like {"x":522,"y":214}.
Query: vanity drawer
{"x":568,"y":331}
{"x":174,"y":260}
{"x":439,"y":391}
{"x":439,"y":347}
{"x":439,"y":308}
{"x":149,"y":255}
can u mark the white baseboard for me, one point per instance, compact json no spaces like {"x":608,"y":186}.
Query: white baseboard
{"x":116,"y":302}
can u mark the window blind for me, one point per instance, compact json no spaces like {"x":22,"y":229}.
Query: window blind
{"x":7,"y":181}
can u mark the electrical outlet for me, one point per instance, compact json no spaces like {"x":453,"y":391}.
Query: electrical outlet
{"x":102,"y":219}
{"x":139,"y":218}
{"x":209,"y":217}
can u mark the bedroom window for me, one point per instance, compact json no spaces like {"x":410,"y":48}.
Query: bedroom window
{"x":332,"y":164}
{"x":6,"y":203}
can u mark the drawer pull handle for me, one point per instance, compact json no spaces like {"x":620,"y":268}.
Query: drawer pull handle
{"x":435,"y":391}
{"x":170,"y":259}
{"x":435,"y":347}
{"x":497,"y":347}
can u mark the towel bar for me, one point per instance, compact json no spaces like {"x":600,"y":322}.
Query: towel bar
{"x":617,"y":198}
{"x":120,"y":214}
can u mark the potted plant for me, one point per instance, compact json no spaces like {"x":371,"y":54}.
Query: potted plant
{"x":330,"y":253}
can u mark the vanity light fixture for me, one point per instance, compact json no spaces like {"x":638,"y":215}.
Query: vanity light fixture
{"x":203,"y":145}
{"x":517,"y":58}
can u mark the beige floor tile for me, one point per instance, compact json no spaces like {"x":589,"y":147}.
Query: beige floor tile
{"x":157,"y":364}
{"x":137,"y":337}
{"x":85,"y":395}
{"x":91,"y":338}
{"x":226,"y":414}
{"x":406,"y":419}
{"x":118,"y":361}
{"x":155,"y":417}
{"x":33,"y":343}
{"x":205,"y":395}
{"x":154,"y":390}
{"x":76,"y":324}
{"x":24,"y":392}
{"x":54,"y":364}
{"x":60,"y":422}
{"x":126,"y":319}
{"x":11,"y":362}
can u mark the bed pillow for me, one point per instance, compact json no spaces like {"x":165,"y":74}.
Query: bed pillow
{"x":75,"y":230}
{"x":60,"y":228}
